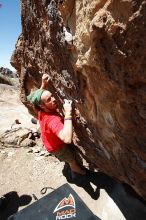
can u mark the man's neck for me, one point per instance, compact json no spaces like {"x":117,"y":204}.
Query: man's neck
{"x":51,"y":112}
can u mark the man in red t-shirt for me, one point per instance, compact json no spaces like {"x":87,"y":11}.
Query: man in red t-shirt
{"x":56,"y":133}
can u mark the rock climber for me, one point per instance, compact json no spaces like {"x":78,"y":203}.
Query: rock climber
{"x":56,"y":131}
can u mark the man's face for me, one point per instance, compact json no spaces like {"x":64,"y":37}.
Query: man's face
{"x":48,"y":101}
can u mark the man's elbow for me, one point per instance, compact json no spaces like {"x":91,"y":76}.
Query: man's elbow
{"x":67,"y":141}
{"x":64,"y":138}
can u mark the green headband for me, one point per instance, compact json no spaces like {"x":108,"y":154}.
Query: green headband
{"x":35,"y":97}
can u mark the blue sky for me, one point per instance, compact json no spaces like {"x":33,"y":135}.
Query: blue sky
{"x":10,"y":29}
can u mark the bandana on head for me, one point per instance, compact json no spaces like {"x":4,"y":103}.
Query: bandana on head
{"x":35,"y":97}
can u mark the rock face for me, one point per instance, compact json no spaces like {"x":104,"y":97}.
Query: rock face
{"x":104,"y":72}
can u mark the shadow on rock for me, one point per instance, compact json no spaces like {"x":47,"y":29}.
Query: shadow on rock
{"x":132,"y":206}
{"x":129,"y":202}
{"x":11,"y":202}
{"x":81,"y":182}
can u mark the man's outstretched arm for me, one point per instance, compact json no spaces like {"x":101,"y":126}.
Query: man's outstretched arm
{"x":45,"y":80}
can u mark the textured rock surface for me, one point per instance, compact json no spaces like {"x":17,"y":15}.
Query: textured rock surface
{"x":19,"y":137}
{"x":104,"y":73}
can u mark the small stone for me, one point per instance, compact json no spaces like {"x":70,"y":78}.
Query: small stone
{"x":42,"y":153}
{"x":3,"y":152}
{"x":47,"y":154}
{"x":36,"y":134}
{"x":10,"y":154}
{"x":36,"y":150}
{"x":30,"y":135}
{"x":30,"y":150}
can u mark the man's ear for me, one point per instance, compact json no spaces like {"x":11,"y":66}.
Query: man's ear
{"x":41,"y":106}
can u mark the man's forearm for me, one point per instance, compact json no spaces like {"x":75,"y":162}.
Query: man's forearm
{"x":66,"y":133}
{"x":68,"y":130}
{"x":44,"y":85}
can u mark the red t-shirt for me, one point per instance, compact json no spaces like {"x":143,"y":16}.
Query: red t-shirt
{"x":51,"y":125}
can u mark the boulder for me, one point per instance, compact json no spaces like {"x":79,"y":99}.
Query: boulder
{"x":26,"y":143}
{"x":17,"y":137}
{"x":104,"y":74}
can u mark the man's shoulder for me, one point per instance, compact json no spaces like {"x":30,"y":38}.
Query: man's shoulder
{"x":49,"y":117}
{"x":55,"y":117}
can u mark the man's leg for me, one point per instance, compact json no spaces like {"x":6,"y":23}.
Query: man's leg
{"x":75,"y":167}
{"x":67,"y":154}
{"x":2,"y":202}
